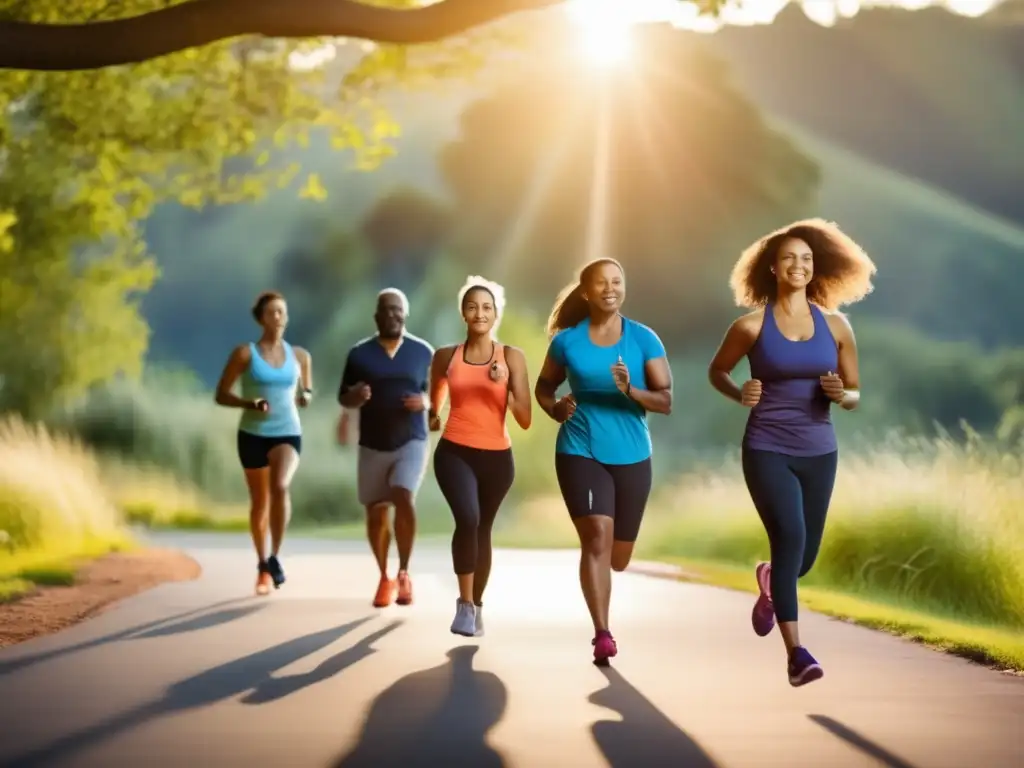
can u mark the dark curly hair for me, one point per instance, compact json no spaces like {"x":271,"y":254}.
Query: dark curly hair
{"x":261,"y":303}
{"x":842,"y":270}
{"x":570,"y":307}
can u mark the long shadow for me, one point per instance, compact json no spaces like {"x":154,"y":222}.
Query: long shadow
{"x":189,"y":621}
{"x":864,"y":744}
{"x":644,"y":736}
{"x":197,"y":623}
{"x":275,"y":688}
{"x":206,"y":688}
{"x":440,"y":716}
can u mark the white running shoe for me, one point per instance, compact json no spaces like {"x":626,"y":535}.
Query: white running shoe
{"x":465,"y":619}
{"x":479,"y":621}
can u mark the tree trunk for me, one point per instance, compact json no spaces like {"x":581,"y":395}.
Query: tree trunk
{"x":195,"y":23}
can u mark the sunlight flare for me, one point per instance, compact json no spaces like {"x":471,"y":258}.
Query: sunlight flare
{"x":603,"y":29}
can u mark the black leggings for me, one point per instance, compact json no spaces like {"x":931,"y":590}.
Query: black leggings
{"x":791,"y":494}
{"x":618,"y":491}
{"x":474,"y":483}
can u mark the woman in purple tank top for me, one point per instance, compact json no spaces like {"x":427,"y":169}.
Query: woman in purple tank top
{"x":803,"y":359}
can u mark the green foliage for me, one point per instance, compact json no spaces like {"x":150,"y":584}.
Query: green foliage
{"x":87,"y":155}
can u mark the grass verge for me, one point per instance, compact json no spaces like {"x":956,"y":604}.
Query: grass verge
{"x":23,"y":571}
{"x":998,"y":647}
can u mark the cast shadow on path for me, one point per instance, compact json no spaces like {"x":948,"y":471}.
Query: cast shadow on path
{"x":864,"y":744}
{"x":438,"y":716}
{"x":645,"y":737}
{"x":192,"y":620}
{"x":210,"y":687}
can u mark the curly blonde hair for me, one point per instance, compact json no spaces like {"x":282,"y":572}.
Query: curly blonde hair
{"x":842,"y":270}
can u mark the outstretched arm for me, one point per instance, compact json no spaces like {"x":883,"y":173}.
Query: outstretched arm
{"x":520,"y":401}
{"x":93,"y":45}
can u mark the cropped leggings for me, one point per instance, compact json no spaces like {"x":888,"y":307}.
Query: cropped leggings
{"x":474,"y":483}
{"x":791,"y":494}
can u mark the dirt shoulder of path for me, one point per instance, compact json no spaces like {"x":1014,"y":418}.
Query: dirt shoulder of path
{"x":99,"y":584}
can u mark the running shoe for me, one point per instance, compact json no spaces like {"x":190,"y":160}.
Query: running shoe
{"x":803,"y":668}
{"x":465,"y":619}
{"x":479,"y":632}
{"x":385,"y":593}
{"x":404,"y":589}
{"x":263,"y":580}
{"x":604,"y":647}
{"x":275,"y":570}
{"x":762,"y":617}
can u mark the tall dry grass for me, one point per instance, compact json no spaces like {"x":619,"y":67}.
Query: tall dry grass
{"x":935,"y":524}
{"x":51,"y":491}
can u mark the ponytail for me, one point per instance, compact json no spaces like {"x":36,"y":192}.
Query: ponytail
{"x":571,"y":308}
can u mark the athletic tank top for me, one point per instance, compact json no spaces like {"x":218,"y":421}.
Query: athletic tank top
{"x":477,"y":404}
{"x":278,"y":387}
{"x":793,"y":416}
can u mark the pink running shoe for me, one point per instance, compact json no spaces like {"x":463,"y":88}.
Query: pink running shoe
{"x":604,"y":647}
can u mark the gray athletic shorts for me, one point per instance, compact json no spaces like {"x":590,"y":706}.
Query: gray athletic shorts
{"x":380,"y":471}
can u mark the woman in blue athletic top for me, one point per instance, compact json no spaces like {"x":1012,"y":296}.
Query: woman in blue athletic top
{"x":269,"y":432}
{"x":803,"y":358}
{"x":617,"y":371}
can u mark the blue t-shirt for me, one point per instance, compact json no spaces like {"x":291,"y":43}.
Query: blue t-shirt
{"x":385,"y":424}
{"x":607,"y":426}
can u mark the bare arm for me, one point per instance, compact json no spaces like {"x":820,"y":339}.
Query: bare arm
{"x":849,"y":371}
{"x":657,"y":398}
{"x":305,"y":375}
{"x":439,"y":378}
{"x":737,"y":343}
{"x":520,"y":401}
{"x":551,"y":377}
{"x":69,"y":47}
{"x":238,"y":361}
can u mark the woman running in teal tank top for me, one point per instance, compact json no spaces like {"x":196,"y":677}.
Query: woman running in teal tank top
{"x":276,"y":380}
{"x":618,"y":373}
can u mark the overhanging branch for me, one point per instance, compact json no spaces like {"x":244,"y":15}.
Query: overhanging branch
{"x":67,"y":47}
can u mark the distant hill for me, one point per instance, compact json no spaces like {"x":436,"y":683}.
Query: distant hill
{"x":936,"y":96}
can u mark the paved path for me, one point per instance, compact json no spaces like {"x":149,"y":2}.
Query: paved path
{"x":201,"y":674}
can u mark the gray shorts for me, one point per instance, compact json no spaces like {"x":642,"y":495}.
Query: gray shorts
{"x":381,"y":471}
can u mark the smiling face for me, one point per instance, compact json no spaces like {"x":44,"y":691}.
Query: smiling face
{"x":390,"y":316}
{"x":794,"y":265}
{"x":478,"y":311}
{"x":605,"y":287}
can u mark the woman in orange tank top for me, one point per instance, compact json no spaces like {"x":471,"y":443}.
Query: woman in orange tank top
{"x":473,"y":463}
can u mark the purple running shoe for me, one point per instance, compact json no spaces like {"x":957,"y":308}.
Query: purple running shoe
{"x":803,"y":668}
{"x":762,"y":617}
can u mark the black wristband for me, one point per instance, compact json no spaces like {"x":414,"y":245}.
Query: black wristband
{"x":629,"y":389}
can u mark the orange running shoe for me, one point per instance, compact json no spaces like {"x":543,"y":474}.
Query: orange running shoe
{"x":404,"y":588}
{"x":264,"y":583}
{"x":385,"y":593}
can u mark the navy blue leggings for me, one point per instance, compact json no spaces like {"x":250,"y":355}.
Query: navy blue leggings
{"x":791,"y":494}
